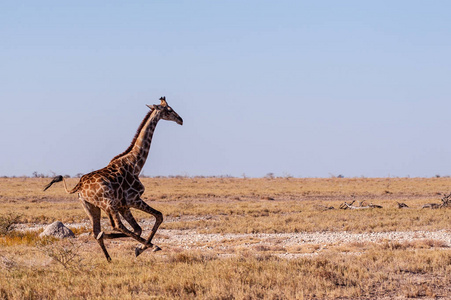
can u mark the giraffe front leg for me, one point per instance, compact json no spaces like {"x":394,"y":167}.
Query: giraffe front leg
{"x":141,"y":205}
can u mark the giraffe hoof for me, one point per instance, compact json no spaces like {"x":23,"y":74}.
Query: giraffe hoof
{"x":100,"y":235}
{"x":138,"y":251}
{"x":156,"y":248}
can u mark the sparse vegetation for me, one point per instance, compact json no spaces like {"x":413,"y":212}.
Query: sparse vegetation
{"x":26,"y":238}
{"x":378,"y":272}
{"x":235,"y":202}
{"x":31,"y":268}
{"x":7,"y":223}
{"x":64,"y":252}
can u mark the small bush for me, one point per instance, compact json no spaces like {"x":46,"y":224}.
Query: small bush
{"x":7,"y":223}
{"x":190,"y":257}
{"x":66,"y":253}
{"x":15,"y":238}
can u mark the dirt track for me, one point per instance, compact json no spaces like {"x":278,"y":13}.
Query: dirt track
{"x":190,"y":239}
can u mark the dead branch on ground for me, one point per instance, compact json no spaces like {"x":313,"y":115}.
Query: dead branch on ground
{"x":362,"y":205}
{"x":446,"y":202}
{"x":402,"y":205}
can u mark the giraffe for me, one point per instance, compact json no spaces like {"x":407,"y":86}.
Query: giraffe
{"x":116,"y":188}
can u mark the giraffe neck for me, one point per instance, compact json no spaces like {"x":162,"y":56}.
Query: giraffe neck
{"x":135,"y":157}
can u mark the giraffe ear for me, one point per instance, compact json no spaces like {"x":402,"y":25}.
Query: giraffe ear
{"x":152,"y":107}
{"x":163,"y":101}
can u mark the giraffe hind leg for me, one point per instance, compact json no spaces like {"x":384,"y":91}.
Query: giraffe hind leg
{"x":111,"y":235}
{"x":124,"y":229}
{"x":94,"y":214}
{"x":127,"y":215}
{"x":113,"y":225}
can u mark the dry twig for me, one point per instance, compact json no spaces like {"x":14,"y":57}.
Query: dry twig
{"x":345,"y":205}
{"x":402,"y":205}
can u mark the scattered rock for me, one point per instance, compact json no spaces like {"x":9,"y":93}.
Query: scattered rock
{"x":58,"y":230}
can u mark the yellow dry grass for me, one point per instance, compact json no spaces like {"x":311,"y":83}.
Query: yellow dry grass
{"x":29,"y":268}
{"x":379,"y":271}
{"x":246,"y":206}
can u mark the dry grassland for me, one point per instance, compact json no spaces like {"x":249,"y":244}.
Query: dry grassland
{"x":254,"y":262}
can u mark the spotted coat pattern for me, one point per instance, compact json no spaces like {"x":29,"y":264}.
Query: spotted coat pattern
{"x":117,"y":188}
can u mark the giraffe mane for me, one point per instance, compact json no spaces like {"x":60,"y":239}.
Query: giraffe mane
{"x":135,"y":137}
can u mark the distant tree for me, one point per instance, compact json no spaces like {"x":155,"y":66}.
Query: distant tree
{"x":269,"y":175}
{"x":287,"y":175}
{"x":38,"y":175}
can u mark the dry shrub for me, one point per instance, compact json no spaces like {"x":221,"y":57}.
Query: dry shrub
{"x":272,"y":248}
{"x":64,"y":252}
{"x":394,"y":245}
{"x":7,"y":223}
{"x":261,"y":248}
{"x":15,"y":238}
{"x":80,"y":230}
{"x":414,"y":244}
{"x":430,"y":243}
{"x":420,"y":290}
{"x":358,"y":244}
{"x":7,"y":264}
{"x":190,"y":257}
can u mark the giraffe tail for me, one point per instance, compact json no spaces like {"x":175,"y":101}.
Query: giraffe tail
{"x":61,"y":178}
{"x":54,"y":180}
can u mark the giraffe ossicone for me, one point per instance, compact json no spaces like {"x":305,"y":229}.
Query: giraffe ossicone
{"x":117,"y":188}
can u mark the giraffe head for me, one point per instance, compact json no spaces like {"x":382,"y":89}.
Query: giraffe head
{"x":167,"y":113}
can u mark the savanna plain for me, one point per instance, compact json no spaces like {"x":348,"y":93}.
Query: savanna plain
{"x":235,"y":238}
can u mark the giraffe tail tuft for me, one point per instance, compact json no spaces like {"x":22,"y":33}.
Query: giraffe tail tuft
{"x":55,"y":180}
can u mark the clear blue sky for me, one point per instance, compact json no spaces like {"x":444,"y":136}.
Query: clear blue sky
{"x":301,"y":88}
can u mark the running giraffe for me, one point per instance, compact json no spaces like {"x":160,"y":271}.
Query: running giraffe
{"x":117,"y":188}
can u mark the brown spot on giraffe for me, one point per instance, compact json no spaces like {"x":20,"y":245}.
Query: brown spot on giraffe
{"x":117,"y":188}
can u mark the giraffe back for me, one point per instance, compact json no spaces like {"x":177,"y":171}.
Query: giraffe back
{"x":111,"y":186}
